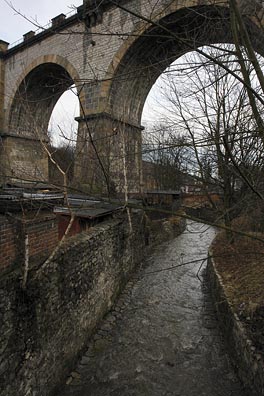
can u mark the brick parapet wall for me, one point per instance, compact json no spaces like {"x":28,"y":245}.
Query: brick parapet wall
{"x":45,"y":327}
{"x":42,"y":231}
{"x":8,"y":243}
{"x":43,"y":236}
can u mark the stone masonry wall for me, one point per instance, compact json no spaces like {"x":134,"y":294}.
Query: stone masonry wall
{"x":93,"y":56}
{"x":22,"y":158}
{"x":112,"y":63}
{"x":248,"y":364}
{"x":44,"y":327}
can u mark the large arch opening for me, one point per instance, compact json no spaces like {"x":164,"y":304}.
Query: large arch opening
{"x":154,"y":50}
{"x":191,"y":109}
{"x":62,"y":134}
{"x":35,"y":99}
{"x":30,"y":117}
{"x":143,"y":58}
{"x":206,"y":139}
{"x":63,"y":127}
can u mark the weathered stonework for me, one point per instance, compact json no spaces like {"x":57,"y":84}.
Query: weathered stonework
{"x":3,"y":48}
{"x":113,"y":143}
{"x":44,"y":327}
{"x":113,"y":57}
{"x":159,"y":231}
{"x":22,"y":158}
{"x":248,"y":364}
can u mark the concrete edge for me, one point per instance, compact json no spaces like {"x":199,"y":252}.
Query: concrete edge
{"x":248,"y":364}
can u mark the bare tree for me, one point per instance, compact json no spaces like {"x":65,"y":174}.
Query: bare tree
{"x":221,"y":143}
{"x":212,"y":110}
{"x":167,"y":152}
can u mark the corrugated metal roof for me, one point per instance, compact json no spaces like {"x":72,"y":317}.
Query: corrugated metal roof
{"x":164,"y":192}
{"x":42,"y":196}
{"x":31,"y":186}
{"x":82,"y":202}
{"x":89,"y":213}
{"x":14,"y":198}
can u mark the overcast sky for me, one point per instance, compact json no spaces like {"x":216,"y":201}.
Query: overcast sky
{"x":13,"y":26}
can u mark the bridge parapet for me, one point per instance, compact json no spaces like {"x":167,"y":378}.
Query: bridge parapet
{"x":3,"y":49}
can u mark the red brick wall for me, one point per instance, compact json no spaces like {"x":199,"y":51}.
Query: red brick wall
{"x":42,"y":231}
{"x":63,"y":222}
{"x":8,"y":245}
{"x":42,"y":236}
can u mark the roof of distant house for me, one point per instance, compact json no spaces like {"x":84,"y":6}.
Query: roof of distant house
{"x":164,"y":192}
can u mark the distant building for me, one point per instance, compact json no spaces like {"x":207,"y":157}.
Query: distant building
{"x":163,"y":178}
{"x":163,"y":198}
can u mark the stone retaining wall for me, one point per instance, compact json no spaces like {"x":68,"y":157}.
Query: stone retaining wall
{"x":164,"y":229}
{"x":44,"y":327}
{"x":248,"y":364}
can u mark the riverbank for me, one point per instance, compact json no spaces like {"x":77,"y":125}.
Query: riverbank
{"x":236,"y":277}
{"x":161,"y":338}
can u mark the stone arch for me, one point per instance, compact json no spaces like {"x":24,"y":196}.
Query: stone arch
{"x":37,"y":91}
{"x":145,"y":55}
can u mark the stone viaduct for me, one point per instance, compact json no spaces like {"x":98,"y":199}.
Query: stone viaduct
{"x":113,"y":51}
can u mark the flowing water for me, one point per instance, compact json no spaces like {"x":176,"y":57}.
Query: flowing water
{"x":161,"y":338}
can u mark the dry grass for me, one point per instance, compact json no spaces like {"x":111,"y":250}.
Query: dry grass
{"x":241,"y":265}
